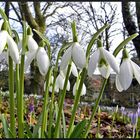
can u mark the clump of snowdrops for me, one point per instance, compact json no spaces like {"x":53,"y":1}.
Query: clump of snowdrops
{"x":51,"y":122}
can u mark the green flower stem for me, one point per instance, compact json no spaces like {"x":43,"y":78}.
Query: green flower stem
{"x":52,"y":106}
{"x":12,"y":101}
{"x":20,"y":100}
{"x":76,"y":101}
{"x":44,"y":115}
{"x":17,"y":89}
{"x":98,"y":123}
{"x":56,"y":133}
{"x":20,"y":95}
{"x":95,"y":108}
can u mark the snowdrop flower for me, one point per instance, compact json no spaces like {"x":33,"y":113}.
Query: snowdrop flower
{"x":128,"y":69}
{"x":76,"y":53}
{"x":73,"y":70}
{"x":60,"y":80}
{"x":38,"y":53}
{"x":51,"y":84}
{"x":12,"y":46}
{"x":104,"y":59}
{"x":83,"y":92}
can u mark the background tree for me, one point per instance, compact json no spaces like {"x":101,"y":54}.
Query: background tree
{"x":132,"y":21}
{"x":36,"y":15}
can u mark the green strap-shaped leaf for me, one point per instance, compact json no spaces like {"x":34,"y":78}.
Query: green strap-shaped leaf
{"x":64,"y":123}
{"x":3,"y":15}
{"x":79,"y":128}
{"x":123,"y":43}
{"x":5,"y":126}
{"x":27,"y":128}
{"x":36,"y":128}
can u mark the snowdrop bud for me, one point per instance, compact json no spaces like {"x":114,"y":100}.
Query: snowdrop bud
{"x":42,"y":61}
{"x":13,"y":49}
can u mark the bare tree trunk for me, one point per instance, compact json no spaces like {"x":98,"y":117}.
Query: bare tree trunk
{"x":130,"y":24}
{"x":7,"y":7}
{"x":38,"y":23}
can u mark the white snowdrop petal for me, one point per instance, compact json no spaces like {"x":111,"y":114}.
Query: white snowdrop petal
{"x":78,"y":55}
{"x":63,"y":73}
{"x":83,"y":92}
{"x":56,"y":89}
{"x":42,"y":61}
{"x":74,"y":89}
{"x":45,"y":86}
{"x":68,"y":86}
{"x":93,"y":62}
{"x":65,"y":58}
{"x":32,"y":44}
{"x":60,"y":81}
{"x":74,"y":70}
{"x":51,"y":80}
{"x":3,"y":39}
{"x":28,"y":59}
{"x":118,"y":85}
{"x":136,"y":71}
{"x":105,"y":71}
{"x":111,"y":60}
{"x":13,"y":49}
{"x":126,"y":74}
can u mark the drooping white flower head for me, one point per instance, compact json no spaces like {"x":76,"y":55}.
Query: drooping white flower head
{"x":73,"y":70}
{"x":51,"y":83}
{"x":38,"y":53}
{"x":128,"y":69}
{"x":42,"y":61}
{"x":83,"y":92}
{"x":12,"y":46}
{"x":13,"y":49}
{"x":32,"y":44}
{"x":60,"y":80}
{"x":76,"y":53}
{"x":109,"y":61}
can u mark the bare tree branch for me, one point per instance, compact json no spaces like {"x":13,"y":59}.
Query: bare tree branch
{"x":54,"y":11}
{"x":18,"y":16}
{"x":46,"y":7}
{"x":27,"y":14}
